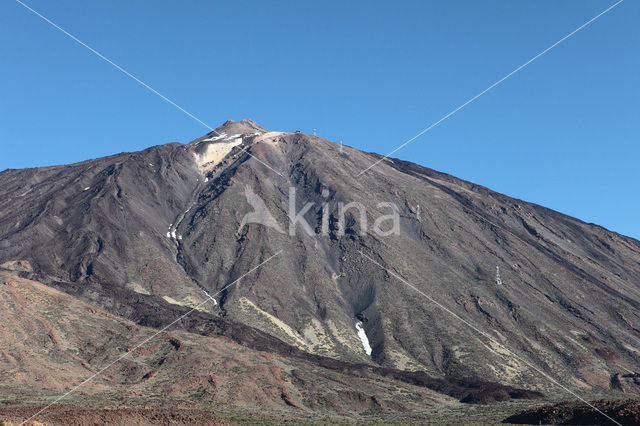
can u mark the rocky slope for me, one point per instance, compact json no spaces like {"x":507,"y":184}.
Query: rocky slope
{"x":53,"y":341}
{"x":143,"y":235}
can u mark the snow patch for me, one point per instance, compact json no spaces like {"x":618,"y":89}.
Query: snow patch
{"x":363,"y":337}
{"x":215,"y":302}
{"x":206,"y":180}
{"x":87,"y":188}
{"x":237,"y":135}
{"x":173,"y":234}
{"x":168,"y":234}
{"x":215,"y":138}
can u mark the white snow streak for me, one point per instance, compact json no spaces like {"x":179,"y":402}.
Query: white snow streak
{"x":215,"y":138}
{"x":172,"y":234}
{"x":363,"y":337}
{"x":215,"y":302}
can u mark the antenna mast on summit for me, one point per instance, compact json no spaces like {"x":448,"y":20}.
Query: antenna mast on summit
{"x":314,"y":132}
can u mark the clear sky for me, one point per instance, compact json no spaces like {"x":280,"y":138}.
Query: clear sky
{"x":564,"y":132}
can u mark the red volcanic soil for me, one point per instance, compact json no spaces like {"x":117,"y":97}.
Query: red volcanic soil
{"x":72,"y":416}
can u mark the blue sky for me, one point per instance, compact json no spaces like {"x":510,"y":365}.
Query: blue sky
{"x":563,"y":132}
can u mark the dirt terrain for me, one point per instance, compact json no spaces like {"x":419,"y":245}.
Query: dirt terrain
{"x":72,"y":416}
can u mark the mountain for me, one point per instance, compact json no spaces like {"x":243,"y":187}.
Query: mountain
{"x":472,"y":284}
